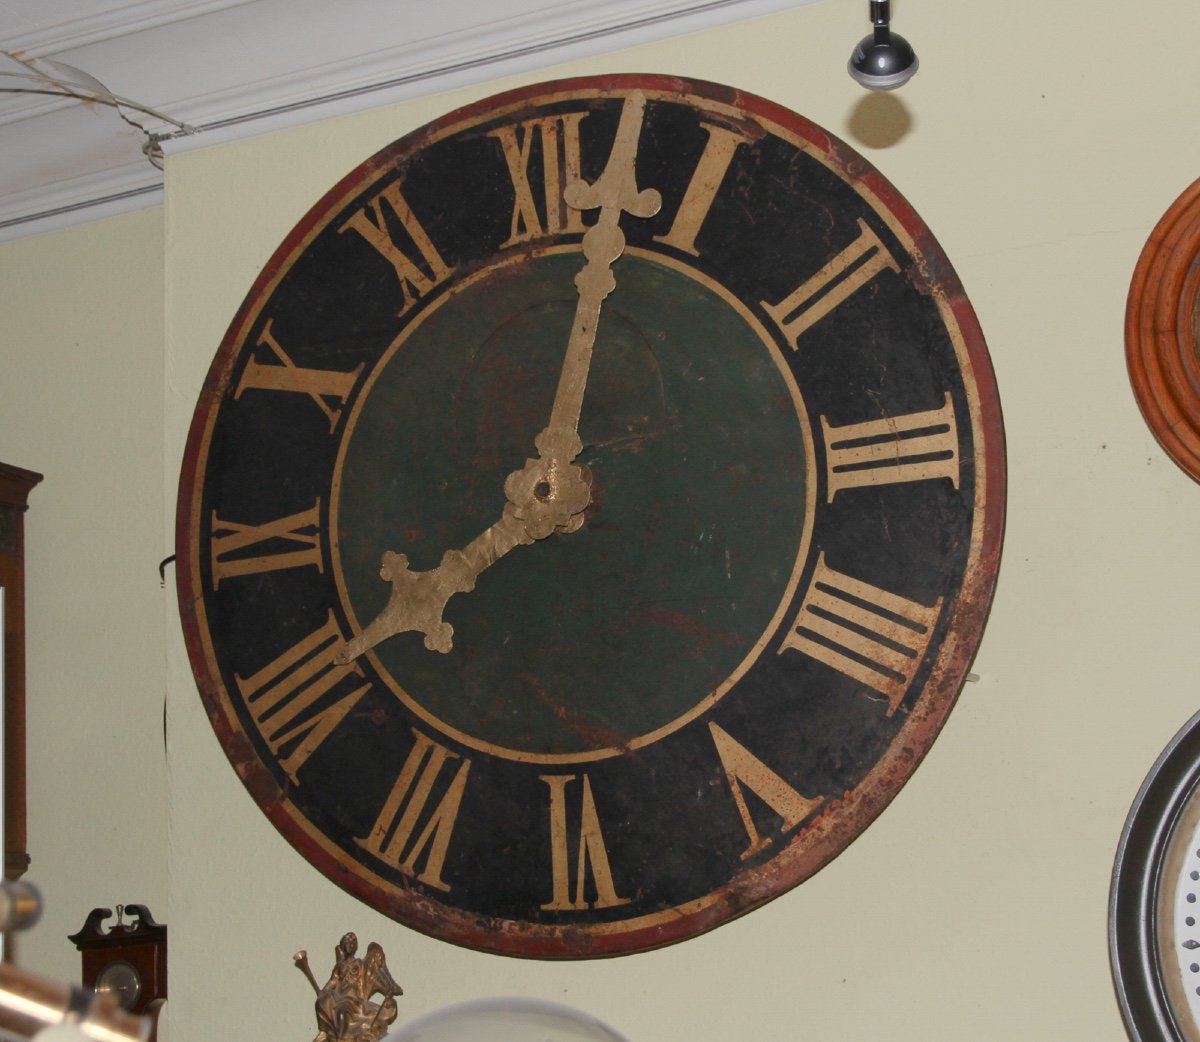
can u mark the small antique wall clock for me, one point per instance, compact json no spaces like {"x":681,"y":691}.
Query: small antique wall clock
{"x":127,"y":960}
{"x":590,"y":515}
{"x":1154,"y":904}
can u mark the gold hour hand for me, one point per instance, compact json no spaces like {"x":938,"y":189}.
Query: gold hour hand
{"x":418,"y":599}
{"x":550,"y":492}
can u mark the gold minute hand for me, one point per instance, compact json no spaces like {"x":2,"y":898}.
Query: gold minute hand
{"x":614,"y":192}
{"x":550,"y":493}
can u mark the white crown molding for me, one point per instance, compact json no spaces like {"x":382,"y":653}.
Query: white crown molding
{"x":110,"y":23}
{"x":237,"y":68}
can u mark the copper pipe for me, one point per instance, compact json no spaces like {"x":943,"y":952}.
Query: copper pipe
{"x":28,"y":1004}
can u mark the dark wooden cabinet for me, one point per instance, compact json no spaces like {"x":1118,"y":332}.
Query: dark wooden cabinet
{"x":15,"y":485}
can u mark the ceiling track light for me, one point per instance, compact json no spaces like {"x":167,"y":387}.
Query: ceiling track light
{"x":884,"y":60}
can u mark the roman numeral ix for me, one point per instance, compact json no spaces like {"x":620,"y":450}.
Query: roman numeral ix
{"x":276,"y":543}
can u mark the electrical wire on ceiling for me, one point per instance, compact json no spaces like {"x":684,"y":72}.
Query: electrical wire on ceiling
{"x":58,"y":79}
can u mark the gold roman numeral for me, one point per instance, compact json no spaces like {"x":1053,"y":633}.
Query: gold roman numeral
{"x":918,"y":446}
{"x":391,"y":838}
{"x":559,"y":140}
{"x":591,"y":852}
{"x":743,"y":768}
{"x":282,"y":693}
{"x":866,"y":633}
{"x":710,"y":171}
{"x":844,"y":275}
{"x":319,"y":384}
{"x":372,"y":223}
{"x":231,"y":537}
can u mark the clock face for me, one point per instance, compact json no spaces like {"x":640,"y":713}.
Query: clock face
{"x":121,"y":980}
{"x":590,"y":515}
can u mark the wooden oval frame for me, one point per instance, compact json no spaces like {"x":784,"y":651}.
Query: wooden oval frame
{"x":1161,"y":348}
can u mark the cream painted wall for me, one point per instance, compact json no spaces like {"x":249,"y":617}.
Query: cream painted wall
{"x":81,"y":371}
{"x":975,"y":907}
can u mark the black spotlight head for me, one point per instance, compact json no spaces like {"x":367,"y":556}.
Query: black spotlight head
{"x":883,"y":60}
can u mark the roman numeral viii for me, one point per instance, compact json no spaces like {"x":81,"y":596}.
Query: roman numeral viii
{"x":844,"y":275}
{"x":287,"y":697}
{"x":917,"y":446}
{"x":408,"y":805}
{"x":869,"y":634}
{"x":591,"y":852}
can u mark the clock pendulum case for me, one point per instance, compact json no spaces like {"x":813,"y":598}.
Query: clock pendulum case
{"x":590,"y":515}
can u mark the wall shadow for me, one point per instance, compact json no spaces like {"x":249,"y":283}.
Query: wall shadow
{"x":879,"y":120}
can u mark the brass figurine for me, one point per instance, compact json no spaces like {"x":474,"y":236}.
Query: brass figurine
{"x":344,"y":1010}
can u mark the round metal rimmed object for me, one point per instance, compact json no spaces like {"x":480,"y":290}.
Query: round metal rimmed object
{"x":506,"y":1019}
{"x":1161,"y":331}
{"x":1154,"y":904}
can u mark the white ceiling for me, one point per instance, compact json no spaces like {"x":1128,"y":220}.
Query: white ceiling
{"x":232,"y":68}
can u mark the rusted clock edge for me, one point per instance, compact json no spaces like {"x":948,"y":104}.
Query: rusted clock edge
{"x":1160,"y":332}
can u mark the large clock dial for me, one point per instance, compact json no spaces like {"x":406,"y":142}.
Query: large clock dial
{"x":590,"y":515}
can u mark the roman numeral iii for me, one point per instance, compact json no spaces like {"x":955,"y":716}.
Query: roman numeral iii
{"x":918,"y":446}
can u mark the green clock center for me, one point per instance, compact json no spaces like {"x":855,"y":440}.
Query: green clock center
{"x":698,"y":447}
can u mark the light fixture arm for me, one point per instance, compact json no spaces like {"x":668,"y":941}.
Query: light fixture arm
{"x":884,"y":60}
{"x":881,"y":16}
